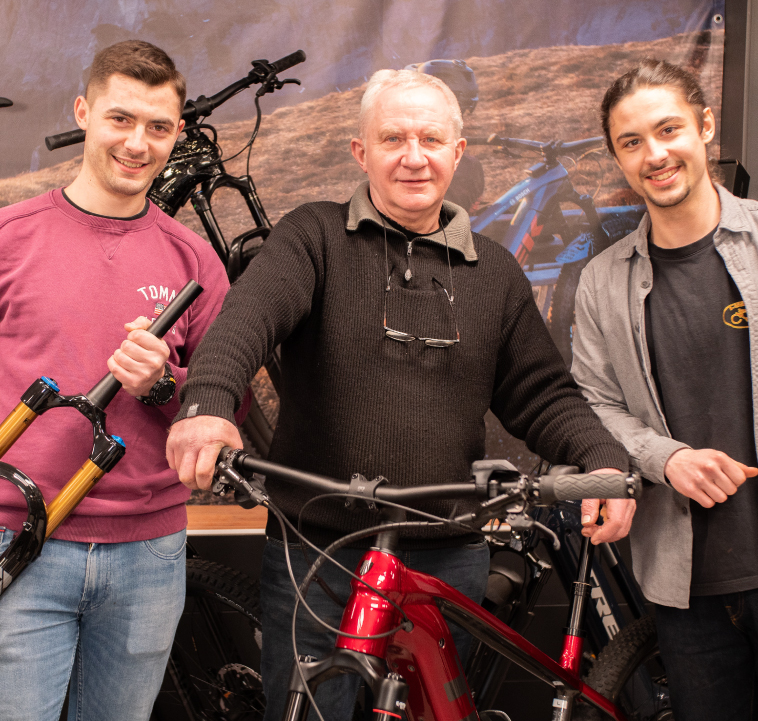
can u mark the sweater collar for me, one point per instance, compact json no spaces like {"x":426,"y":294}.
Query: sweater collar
{"x":458,"y":230}
{"x":117,"y":225}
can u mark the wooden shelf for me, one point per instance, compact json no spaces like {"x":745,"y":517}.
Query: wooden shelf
{"x":225,"y":521}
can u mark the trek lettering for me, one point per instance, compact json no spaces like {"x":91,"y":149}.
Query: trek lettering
{"x":603,"y":608}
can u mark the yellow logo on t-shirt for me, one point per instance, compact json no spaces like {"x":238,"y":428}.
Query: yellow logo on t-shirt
{"x":735,"y":315}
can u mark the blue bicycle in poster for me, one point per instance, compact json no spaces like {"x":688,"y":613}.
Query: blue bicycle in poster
{"x":552,"y":243}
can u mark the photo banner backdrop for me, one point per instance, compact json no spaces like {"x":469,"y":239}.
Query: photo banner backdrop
{"x":541,"y":68}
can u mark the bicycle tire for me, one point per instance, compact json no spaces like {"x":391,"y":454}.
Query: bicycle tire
{"x":561,"y":317}
{"x":629,"y":672}
{"x":213,"y":672}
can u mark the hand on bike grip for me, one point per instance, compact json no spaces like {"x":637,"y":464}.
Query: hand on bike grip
{"x":617,"y":519}
{"x":193,"y":447}
{"x":225,"y":479}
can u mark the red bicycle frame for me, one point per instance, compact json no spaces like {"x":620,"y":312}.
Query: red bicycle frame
{"x":393,"y":631}
{"x":424,"y":656}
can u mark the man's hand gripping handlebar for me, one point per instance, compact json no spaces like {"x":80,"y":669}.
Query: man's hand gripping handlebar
{"x":503,"y":491}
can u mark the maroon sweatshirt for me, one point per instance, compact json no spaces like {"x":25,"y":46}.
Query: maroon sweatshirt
{"x":68,"y":283}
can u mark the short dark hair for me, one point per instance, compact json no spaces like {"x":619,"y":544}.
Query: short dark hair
{"x":651,"y":73}
{"x":139,"y":60}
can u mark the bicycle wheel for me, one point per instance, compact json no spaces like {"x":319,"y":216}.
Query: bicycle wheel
{"x":213,"y":668}
{"x":561,"y":318}
{"x":629,"y":672}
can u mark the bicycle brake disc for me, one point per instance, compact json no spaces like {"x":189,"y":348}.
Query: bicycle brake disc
{"x":240,"y":685}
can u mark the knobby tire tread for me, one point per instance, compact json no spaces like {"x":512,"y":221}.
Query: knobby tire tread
{"x":208,"y":577}
{"x":621,"y":656}
{"x":239,"y":595}
{"x":616,"y":665}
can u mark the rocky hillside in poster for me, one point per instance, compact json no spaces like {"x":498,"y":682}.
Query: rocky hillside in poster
{"x":303,"y":151}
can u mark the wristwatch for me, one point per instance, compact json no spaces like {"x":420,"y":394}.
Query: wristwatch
{"x":162,"y":391}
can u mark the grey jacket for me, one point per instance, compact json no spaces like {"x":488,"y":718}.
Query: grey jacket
{"x":612,"y":367}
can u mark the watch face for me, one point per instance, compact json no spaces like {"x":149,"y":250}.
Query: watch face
{"x":163,"y":391}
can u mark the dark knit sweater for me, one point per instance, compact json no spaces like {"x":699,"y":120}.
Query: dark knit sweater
{"x":354,"y":401}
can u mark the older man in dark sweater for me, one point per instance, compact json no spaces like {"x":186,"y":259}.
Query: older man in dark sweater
{"x":399,"y":329}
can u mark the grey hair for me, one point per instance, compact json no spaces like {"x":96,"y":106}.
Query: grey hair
{"x":382,"y":80}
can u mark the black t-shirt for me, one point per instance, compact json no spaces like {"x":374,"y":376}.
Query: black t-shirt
{"x":700,"y":354}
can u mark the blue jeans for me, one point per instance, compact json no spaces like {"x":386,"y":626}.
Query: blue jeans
{"x":464,"y":568}
{"x":710,"y":651}
{"x":102,"y":615}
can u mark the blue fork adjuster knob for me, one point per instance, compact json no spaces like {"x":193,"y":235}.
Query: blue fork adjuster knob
{"x":50,"y":382}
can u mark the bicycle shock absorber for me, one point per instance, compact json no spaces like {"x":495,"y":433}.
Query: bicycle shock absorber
{"x":107,"y":450}
{"x":32,"y":403}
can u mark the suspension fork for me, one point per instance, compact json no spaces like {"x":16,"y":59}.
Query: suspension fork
{"x":201,"y":202}
{"x":231,"y":256}
{"x":587,"y":205}
{"x":389,"y":690}
{"x":107,"y":450}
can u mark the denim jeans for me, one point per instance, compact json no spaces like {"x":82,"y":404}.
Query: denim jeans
{"x":464,"y":568}
{"x":101,"y":615}
{"x":710,"y":651}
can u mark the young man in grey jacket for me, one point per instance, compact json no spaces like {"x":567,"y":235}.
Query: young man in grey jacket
{"x":664,"y":355}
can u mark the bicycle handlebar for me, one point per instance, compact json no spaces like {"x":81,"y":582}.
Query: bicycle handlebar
{"x":543,"y":490}
{"x":262,"y":72}
{"x":287,"y":62}
{"x":246,"y":464}
{"x":555,"y":146}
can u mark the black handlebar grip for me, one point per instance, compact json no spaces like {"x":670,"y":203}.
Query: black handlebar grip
{"x":72,"y":137}
{"x":287,"y":62}
{"x":575,"y":487}
{"x":105,"y":390}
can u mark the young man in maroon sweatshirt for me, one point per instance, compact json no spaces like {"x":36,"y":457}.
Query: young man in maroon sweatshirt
{"x":78,"y":265}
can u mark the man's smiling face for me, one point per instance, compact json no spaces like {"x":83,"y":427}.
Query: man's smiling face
{"x":660,"y":145}
{"x":131,"y":128}
{"x":410,"y":153}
